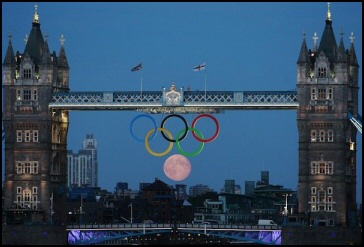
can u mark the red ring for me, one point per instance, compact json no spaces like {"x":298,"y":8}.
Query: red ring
{"x":216,"y":123}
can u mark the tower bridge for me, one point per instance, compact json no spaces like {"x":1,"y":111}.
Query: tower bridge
{"x":37,"y":99}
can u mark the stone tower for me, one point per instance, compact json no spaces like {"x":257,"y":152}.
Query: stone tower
{"x":35,"y":137}
{"x":327,"y":85}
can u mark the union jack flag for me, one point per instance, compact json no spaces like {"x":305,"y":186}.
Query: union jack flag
{"x":200,"y":67}
{"x":138,"y":67}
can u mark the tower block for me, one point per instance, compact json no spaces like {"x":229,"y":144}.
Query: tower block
{"x":35,"y":136}
{"x":327,"y":88}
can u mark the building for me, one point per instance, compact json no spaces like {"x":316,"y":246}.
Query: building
{"x":35,"y":136}
{"x":199,"y":189}
{"x":229,"y":186}
{"x":83,"y":166}
{"x":162,"y":199}
{"x":264,"y":177}
{"x":181,"y":190}
{"x":249,"y":187}
{"x":120,"y":188}
{"x":327,"y":87}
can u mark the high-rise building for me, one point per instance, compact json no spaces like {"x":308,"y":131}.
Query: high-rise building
{"x":83,"y":166}
{"x":199,"y":189}
{"x":121,"y":187}
{"x":249,"y":187}
{"x":229,"y":186}
{"x":264,"y":177}
{"x":327,"y":88}
{"x":35,"y":136}
{"x":181,"y":190}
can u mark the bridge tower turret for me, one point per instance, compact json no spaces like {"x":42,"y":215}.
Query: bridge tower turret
{"x":35,"y":137}
{"x":327,"y":87}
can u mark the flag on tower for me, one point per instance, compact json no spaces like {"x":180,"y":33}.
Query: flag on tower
{"x":138,"y":67}
{"x":200,"y":67}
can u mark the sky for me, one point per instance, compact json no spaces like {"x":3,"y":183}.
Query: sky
{"x":246,"y":47}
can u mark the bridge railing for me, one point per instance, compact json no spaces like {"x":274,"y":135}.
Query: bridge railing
{"x":169,"y":226}
{"x":154,"y":102}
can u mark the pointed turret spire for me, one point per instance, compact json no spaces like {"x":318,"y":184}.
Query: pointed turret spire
{"x":303,"y":58}
{"x":328,"y":42}
{"x":328,"y":12}
{"x":341,"y":55}
{"x":352,"y":54}
{"x":46,"y":55}
{"x":62,"y":58}
{"x":9,"y":56}
{"x":315,"y":38}
{"x":35,"y":42}
{"x":36,"y":16}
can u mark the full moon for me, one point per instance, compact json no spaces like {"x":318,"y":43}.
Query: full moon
{"x":177,"y":167}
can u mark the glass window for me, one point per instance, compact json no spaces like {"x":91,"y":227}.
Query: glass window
{"x":330,"y":135}
{"x":27,"y":94}
{"x":322,"y":168}
{"x":19,"y":136}
{"x":35,"y":95}
{"x":27,"y":136}
{"x":313,"y":93}
{"x":330,"y":94}
{"x":35,"y":168}
{"x":27,"y":168}
{"x":322,"y":136}
{"x":19,"y":168}
{"x":322,"y":94}
{"x":330,"y":166}
{"x":313,"y":136}
{"x":313,"y":190}
{"x":322,"y":72}
{"x":27,"y":73}
{"x":35,"y":135}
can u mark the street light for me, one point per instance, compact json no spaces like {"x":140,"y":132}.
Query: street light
{"x":131,"y":212}
{"x":286,"y":207}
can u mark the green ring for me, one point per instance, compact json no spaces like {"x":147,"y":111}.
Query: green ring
{"x":179,"y":146}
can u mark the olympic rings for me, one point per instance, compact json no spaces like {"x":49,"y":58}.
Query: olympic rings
{"x":216,"y":132}
{"x":181,"y":135}
{"x":186,"y":128}
{"x":193,"y":131}
{"x":137,"y":117}
{"x":148,"y":146}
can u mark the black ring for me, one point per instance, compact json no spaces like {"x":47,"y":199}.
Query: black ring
{"x":186,"y":129}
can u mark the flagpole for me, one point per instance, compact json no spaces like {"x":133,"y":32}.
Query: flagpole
{"x":205,"y":83}
{"x":141,"y":87}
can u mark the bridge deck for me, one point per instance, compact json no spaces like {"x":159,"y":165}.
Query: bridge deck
{"x":175,"y":101}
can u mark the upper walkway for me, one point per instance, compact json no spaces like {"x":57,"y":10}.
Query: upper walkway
{"x":175,"y":101}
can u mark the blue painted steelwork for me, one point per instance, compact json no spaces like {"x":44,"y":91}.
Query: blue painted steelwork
{"x":356,"y":121}
{"x":96,"y":234}
{"x":174,"y":101}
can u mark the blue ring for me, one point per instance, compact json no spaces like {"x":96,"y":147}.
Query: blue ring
{"x":137,"y":117}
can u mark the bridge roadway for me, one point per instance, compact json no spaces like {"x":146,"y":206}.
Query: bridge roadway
{"x":85,"y":234}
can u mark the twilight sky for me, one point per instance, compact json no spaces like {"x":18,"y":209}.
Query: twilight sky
{"x":246,"y":46}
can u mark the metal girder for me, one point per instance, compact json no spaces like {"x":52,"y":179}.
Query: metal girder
{"x":356,"y":121}
{"x":175,"y":101}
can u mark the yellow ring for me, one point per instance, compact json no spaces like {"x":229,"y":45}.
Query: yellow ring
{"x":150,"y":150}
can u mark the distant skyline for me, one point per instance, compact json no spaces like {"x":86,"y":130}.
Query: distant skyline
{"x":245,"y":47}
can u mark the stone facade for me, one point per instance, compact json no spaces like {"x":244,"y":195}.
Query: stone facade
{"x":327,"y":86}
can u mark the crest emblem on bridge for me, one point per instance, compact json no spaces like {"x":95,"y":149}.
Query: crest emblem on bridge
{"x":173,"y":97}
